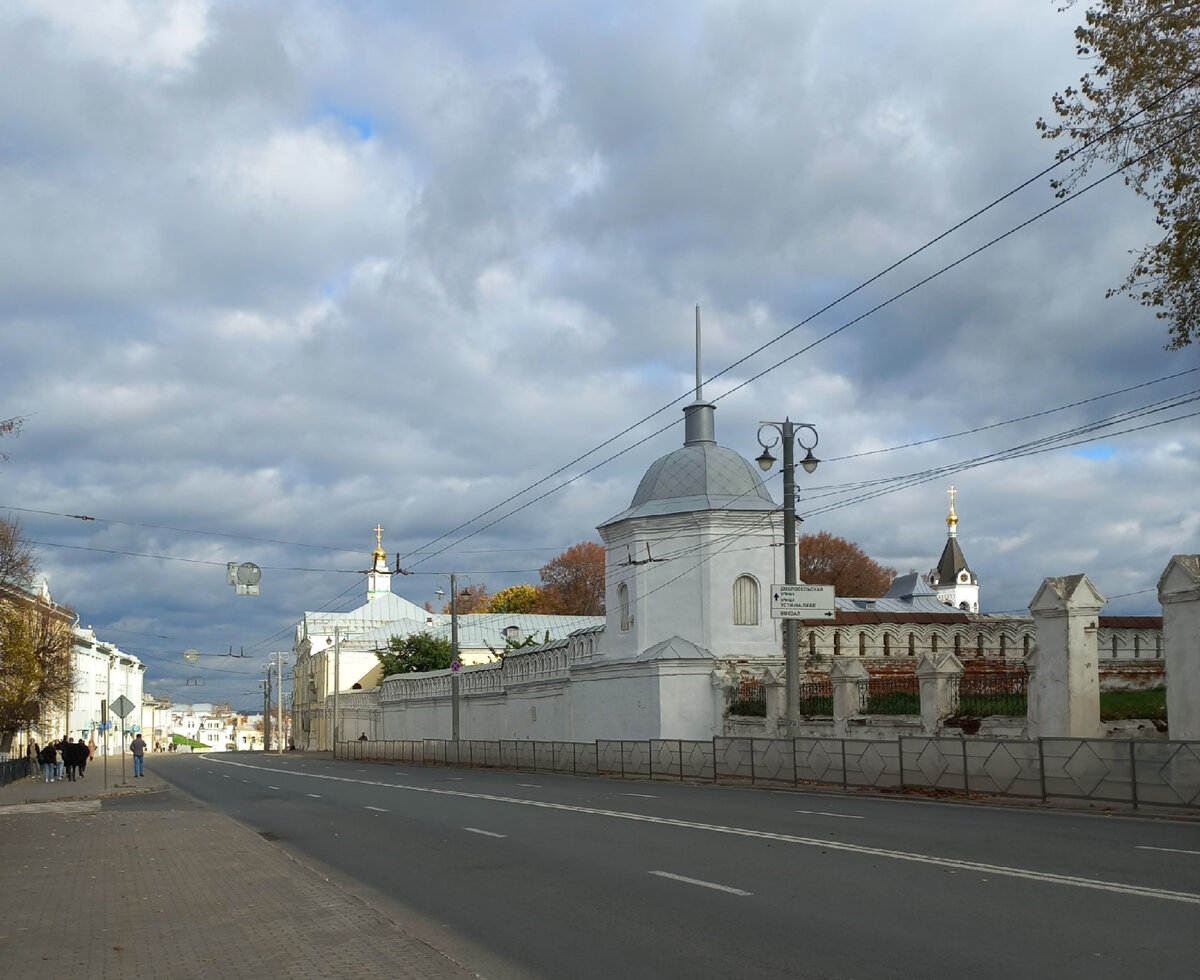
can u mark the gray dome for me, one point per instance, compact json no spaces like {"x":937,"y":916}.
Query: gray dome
{"x":698,"y":477}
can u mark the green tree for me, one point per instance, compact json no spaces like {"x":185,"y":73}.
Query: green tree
{"x":18,"y":561}
{"x":1140,"y":102}
{"x":823,"y":559}
{"x":35,"y":661}
{"x":523,"y":598}
{"x":415,"y":653}
{"x":573,"y":583}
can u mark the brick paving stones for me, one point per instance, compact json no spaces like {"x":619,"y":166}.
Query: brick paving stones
{"x":148,"y":893}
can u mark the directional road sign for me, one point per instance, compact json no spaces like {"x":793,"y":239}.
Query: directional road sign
{"x":802,"y":602}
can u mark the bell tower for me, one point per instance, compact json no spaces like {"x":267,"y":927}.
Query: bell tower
{"x":379,"y":579}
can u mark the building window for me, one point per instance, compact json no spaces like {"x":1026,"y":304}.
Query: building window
{"x":862,"y":644}
{"x":887,"y":645}
{"x":933,"y":644}
{"x":1137,"y":648}
{"x":837,"y":643}
{"x":958,"y":644}
{"x":1158,"y":647}
{"x":1003,"y":646}
{"x":812,"y":644}
{"x":979,"y":646}
{"x":912,"y":644}
{"x":623,"y":605}
{"x":745,"y":601}
{"x":1114,"y":646}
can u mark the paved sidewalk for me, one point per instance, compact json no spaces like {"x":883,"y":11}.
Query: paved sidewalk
{"x":119,"y":880}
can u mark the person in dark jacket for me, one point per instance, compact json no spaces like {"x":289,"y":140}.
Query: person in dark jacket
{"x":48,"y":757}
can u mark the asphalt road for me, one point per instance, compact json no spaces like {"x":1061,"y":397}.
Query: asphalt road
{"x":538,"y":875}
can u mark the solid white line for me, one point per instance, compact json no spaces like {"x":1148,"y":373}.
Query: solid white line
{"x":530,"y":785}
{"x":825,"y":813}
{"x":1172,"y":850}
{"x":1139,"y":891}
{"x":315,"y":796}
{"x":641,"y":796}
{"x":377,"y":809}
{"x":486,"y":833}
{"x":702,"y":884}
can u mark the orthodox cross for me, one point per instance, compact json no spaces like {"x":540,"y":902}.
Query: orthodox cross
{"x":379,"y":536}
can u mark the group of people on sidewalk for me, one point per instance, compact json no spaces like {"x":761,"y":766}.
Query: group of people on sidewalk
{"x":65,"y":758}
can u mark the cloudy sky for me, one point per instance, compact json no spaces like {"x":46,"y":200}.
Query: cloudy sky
{"x":273,"y":273}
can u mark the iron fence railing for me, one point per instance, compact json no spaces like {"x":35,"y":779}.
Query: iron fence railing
{"x":893,"y":694}
{"x":816,"y":697}
{"x":12,"y":770}
{"x":1138,"y":772}
{"x":985,"y":693}
{"x":749,"y":698}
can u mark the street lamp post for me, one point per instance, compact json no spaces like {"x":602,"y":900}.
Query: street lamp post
{"x":790,"y":433}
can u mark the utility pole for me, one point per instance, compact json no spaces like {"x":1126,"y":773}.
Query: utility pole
{"x":789,"y":434}
{"x":279,"y":705}
{"x":337,"y":684}
{"x":267,"y":711}
{"x":454,"y":662}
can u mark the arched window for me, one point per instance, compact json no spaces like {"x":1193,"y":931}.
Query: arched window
{"x":745,"y":601}
{"x":1137,"y":648}
{"x":837,"y":643}
{"x":887,"y":644}
{"x":862,"y":644}
{"x":912,"y":644}
{"x":623,"y":605}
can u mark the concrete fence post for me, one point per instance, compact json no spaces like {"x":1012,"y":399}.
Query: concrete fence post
{"x":1179,"y":594}
{"x":775,"y":692}
{"x":939,"y":683}
{"x":849,"y":679}
{"x":1064,"y":670}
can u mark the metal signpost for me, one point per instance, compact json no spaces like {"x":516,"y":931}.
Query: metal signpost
{"x":122,"y":706}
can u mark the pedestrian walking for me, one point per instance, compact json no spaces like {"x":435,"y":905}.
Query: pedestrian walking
{"x":48,"y":757}
{"x":70,"y":758}
{"x":58,"y":746}
{"x":82,"y":755}
{"x":138,"y":748}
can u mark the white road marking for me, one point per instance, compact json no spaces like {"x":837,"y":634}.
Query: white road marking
{"x":486,"y":833}
{"x":377,"y":809}
{"x":824,"y":813}
{"x":272,"y":787}
{"x":641,"y":796}
{"x":1172,"y":850}
{"x":315,"y":796}
{"x":957,"y":864}
{"x":702,"y":884}
{"x":531,"y":785}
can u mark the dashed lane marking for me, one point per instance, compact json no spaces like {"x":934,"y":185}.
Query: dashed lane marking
{"x":1171,"y":850}
{"x":703,"y":884}
{"x":825,"y":813}
{"x":957,"y":864}
{"x":486,"y":833}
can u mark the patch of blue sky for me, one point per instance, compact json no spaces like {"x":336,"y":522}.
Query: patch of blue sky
{"x":359,"y":122}
{"x":1094,"y":452}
